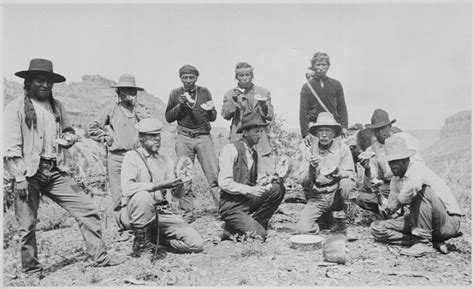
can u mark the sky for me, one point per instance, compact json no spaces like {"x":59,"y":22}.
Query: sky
{"x":413,"y":60}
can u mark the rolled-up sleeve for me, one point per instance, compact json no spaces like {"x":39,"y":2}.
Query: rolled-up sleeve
{"x":409,"y":190}
{"x":226,"y":180}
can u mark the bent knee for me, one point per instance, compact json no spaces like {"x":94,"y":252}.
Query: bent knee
{"x":378,"y":230}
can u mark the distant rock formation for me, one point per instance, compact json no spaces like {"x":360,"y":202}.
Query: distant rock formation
{"x":86,"y":100}
{"x":450,"y":157}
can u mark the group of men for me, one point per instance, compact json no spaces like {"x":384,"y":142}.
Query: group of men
{"x":245,"y":190}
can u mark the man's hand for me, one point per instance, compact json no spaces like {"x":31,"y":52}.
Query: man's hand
{"x":344,"y":132}
{"x":307,"y":140}
{"x":257,"y":190}
{"x":314,"y":161}
{"x":365,"y":163}
{"x":235,"y":94}
{"x":182,"y":99}
{"x":109,"y":140}
{"x":167,"y":184}
{"x":392,"y":207}
{"x":21,"y":188}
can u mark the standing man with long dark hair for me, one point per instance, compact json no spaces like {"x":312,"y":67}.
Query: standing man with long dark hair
{"x":37,"y":131}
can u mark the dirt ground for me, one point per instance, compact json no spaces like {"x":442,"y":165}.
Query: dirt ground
{"x":250,"y":263}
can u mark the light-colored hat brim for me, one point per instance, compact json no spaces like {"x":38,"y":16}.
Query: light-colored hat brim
{"x":400,"y":155}
{"x":313,"y":128}
{"x":124,"y":85}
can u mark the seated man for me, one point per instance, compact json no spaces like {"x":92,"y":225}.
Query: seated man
{"x":246,"y":205}
{"x":327,"y":174}
{"x":377,"y":174}
{"x":145,"y":175}
{"x":434,"y":213}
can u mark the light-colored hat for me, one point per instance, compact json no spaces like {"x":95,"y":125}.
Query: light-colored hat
{"x":149,"y":126}
{"x":127,"y":80}
{"x":379,"y":119}
{"x":325,"y":119}
{"x":39,"y":65}
{"x":396,"y":149}
{"x":249,"y":120}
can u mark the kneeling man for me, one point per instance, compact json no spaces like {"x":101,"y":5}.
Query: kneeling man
{"x":246,"y":205}
{"x":434,"y":213}
{"x":327,"y":174}
{"x":146,"y":174}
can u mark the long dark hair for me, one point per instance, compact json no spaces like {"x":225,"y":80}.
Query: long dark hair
{"x":30,"y":113}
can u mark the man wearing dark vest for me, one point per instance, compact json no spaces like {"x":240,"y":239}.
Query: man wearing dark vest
{"x":247,"y":204}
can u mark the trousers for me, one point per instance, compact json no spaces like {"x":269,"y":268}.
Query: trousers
{"x":320,"y":204}
{"x":428,"y":219}
{"x":60,"y":188}
{"x":251,"y":214}
{"x":174,"y":231}
{"x":201,"y":146}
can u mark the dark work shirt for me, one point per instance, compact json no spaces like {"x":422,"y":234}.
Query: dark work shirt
{"x":189,"y":115}
{"x":332,"y":95}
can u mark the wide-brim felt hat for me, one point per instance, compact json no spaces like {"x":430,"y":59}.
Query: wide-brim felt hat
{"x":149,"y":126}
{"x":327,"y":120}
{"x":396,"y":149}
{"x":379,"y":119}
{"x":249,"y":120}
{"x":127,"y":80}
{"x":41,"y":66}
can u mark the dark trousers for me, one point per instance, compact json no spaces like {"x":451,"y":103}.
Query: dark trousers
{"x":250,"y":214}
{"x":60,"y":188}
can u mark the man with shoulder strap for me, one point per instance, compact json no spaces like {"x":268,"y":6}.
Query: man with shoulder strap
{"x":116,"y":128}
{"x":321,"y":94}
{"x":147,"y":175}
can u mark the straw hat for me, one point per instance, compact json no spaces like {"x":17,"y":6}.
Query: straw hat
{"x":325,"y":119}
{"x":127,"y":80}
{"x":396,"y":149}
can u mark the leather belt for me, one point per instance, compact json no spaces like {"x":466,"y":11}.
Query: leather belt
{"x":192,"y":134}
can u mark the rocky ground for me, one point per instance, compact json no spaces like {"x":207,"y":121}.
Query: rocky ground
{"x":229,"y":263}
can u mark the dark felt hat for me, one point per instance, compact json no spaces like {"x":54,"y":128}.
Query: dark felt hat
{"x":249,"y":120}
{"x":39,"y":65}
{"x":379,"y":119}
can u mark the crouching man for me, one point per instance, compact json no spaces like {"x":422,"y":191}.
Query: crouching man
{"x":246,"y":205}
{"x":434,"y":213}
{"x":327,"y":174}
{"x":145,"y":175}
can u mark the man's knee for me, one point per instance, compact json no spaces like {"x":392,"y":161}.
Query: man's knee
{"x":347,"y":187}
{"x":193,"y":242}
{"x":378,"y":230}
{"x":305,"y":226}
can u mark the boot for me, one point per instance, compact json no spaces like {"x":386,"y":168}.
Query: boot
{"x":138,"y":242}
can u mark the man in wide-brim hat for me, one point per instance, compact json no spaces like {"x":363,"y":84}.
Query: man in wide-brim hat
{"x":37,"y":132}
{"x":327,"y":176}
{"x":435,"y":215}
{"x":248,"y":197}
{"x":146,"y":173}
{"x":116,"y":128}
{"x":376,"y":170}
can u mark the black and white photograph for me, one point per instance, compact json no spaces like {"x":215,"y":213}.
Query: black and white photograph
{"x":236,"y":143}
